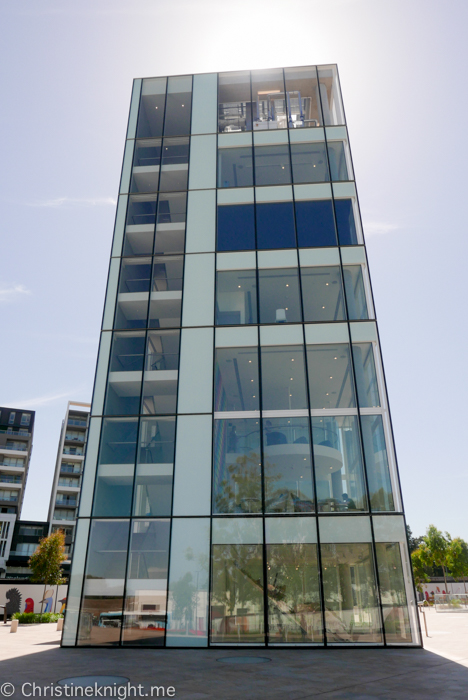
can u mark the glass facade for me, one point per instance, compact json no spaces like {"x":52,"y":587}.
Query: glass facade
{"x":240,"y":484}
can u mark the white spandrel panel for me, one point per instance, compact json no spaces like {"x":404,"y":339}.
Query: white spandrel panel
{"x":196,"y":371}
{"x":198,"y":293}
{"x":192,"y":473}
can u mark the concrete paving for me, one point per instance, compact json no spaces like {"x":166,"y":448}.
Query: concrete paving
{"x":439,"y":671}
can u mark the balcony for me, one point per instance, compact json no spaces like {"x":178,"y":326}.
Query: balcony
{"x":17,"y":433}
{"x":71,"y":503}
{"x":75,"y":421}
{"x":10,"y":479}
{"x":70,"y":469}
{"x":75,"y":438}
{"x":68,"y":483}
{"x":16,"y":446}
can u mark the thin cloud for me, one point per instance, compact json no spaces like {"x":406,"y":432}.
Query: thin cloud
{"x":9,"y":294}
{"x":379,"y":228}
{"x":63,"y":202}
{"x":38,"y":401}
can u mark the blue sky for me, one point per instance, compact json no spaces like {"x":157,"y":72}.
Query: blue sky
{"x":66,"y":83}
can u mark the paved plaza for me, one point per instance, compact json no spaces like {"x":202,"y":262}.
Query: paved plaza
{"x":440,"y":670}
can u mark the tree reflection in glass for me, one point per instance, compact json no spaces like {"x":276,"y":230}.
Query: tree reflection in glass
{"x":392,"y":593}
{"x":237,"y":594}
{"x":294,"y":613}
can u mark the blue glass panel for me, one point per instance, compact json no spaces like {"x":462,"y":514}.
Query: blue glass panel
{"x":236,"y":227}
{"x":275,"y":225}
{"x":345,"y":222}
{"x":315,"y":223}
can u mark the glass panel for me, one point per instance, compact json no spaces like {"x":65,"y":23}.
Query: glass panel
{"x":174,"y":168}
{"x":146,"y":163}
{"x":322,"y":294}
{"x":163,"y":351}
{"x":355,"y":292}
{"x":235,"y":167}
{"x":392,"y":593}
{"x":151,"y":114}
{"x":330,"y":95}
{"x":178,"y":106}
{"x":302,"y":97}
{"x":272,"y":165}
{"x":114,"y":481}
{"x":283,"y":378}
{"x":170,"y":224}
{"x":187,"y":624}
{"x":350,"y":595}
{"x":268,"y":99}
{"x":294,"y":612}
{"x":345,"y":222}
{"x":236,"y":297}
{"x":275,"y":225}
{"x":309,"y":162}
{"x":280,"y":300}
{"x":236,"y":227}
{"x":159,"y":393}
{"x":135,"y":275}
{"x":236,"y":379}
{"x":338,"y":464}
{"x":139,"y":230}
{"x":330,"y":376}
{"x":235,"y":107}
{"x":315,"y":223}
{"x":337,"y":158}
{"x":167,"y":274}
{"x":146,"y":589}
{"x":237,"y":594}
{"x":155,"y":464}
{"x":101,"y":606}
{"x":366,"y":378}
{"x":287,"y":466}
{"x":378,"y":473}
{"x":127,"y":353}
{"x":237,"y":486}
{"x":165,"y":309}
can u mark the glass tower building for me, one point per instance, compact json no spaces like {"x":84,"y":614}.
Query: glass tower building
{"x":240,"y":483}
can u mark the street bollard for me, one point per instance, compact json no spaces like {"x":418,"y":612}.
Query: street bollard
{"x":14,"y":626}
{"x":60,"y":624}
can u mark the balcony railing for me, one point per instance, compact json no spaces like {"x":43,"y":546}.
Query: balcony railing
{"x":9,"y":499}
{"x":10,"y":479}
{"x":67,"y":469}
{"x":20,"y":447}
{"x":66,"y":504}
{"x":19,"y":433}
{"x":74,"y":421}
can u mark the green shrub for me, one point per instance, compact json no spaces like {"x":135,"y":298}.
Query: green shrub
{"x":32,"y":618}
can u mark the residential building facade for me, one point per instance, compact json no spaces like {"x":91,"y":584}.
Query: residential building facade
{"x":240,"y":483}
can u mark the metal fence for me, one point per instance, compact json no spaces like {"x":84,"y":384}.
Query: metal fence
{"x":451,"y":602}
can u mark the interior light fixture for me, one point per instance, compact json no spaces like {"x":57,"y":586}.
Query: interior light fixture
{"x":331,"y":377}
{"x":269,"y":92}
{"x":238,"y":286}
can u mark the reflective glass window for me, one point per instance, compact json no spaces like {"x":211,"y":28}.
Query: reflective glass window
{"x":315,"y":223}
{"x":366,"y":377}
{"x":124,"y":383}
{"x":275,"y":225}
{"x":236,"y":379}
{"x":237,"y":486}
{"x":392,"y":593}
{"x":235,"y":106}
{"x":302,"y":97}
{"x":322,"y":294}
{"x":350,"y":594}
{"x":178,"y":106}
{"x":151,"y":113}
{"x":330,"y":376}
{"x":167,"y":273}
{"x":355,"y":292}
{"x":141,"y":212}
{"x":237,"y":594}
{"x":287,"y":466}
{"x":101,"y":606}
{"x":294,"y":612}
{"x":127,"y":352}
{"x":161,"y":373}
{"x":283,"y":378}
{"x":135,"y":275}
{"x":337,"y":158}
{"x":235,"y":167}
{"x":377,"y":468}
{"x":338,"y":464}
{"x":269,"y":101}
{"x":236,"y":297}
{"x":144,"y":622}
{"x":155,"y":465}
{"x":272,"y":165}
{"x":236,"y":227}
{"x":279,"y":297}
{"x":309,"y":162}
{"x":146,"y":164}
{"x":114,"y":481}
{"x":345,"y":222}
{"x":330,"y":96}
{"x":170,"y":223}
{"x":174,"y":165}
{"x":163,"y":351}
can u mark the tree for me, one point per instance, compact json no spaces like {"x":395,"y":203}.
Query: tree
{"x":413,"y":542}
{"x":46,"y":562}
{"x":457,"y":559}
{"x":418,"y":561}
{"x":434,"y":548}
